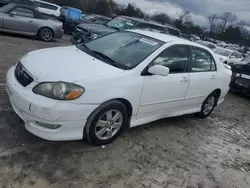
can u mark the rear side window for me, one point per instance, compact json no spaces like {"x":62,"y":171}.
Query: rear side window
{"x":202,"y":61}
{"x":45,"y":5}
{"x":174,"y":32}
{"x":175,"y":58}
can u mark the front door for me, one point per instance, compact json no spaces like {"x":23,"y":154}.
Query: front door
{"x":163,"y":94}
{"x":21,"y":19}
{"x":203,"y":77}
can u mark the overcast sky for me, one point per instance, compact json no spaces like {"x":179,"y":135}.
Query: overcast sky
{"x":200,"y":9}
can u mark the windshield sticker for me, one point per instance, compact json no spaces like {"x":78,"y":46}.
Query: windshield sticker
{"x":147,"y":41}
{"x":129,"y":23}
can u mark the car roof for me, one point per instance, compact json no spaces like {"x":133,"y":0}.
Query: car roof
{"x":148,"y":21}
{"x":165,"y":37}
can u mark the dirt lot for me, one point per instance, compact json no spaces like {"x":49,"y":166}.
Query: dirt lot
{"x":182,"y":152}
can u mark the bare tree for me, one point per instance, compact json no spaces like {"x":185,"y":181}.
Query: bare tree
{"x":212,"y":21}
{"x":227,"y":18}
{"x":184,"y":17}
{"x":242,"y":26}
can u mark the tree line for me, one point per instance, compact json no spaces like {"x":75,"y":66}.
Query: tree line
{"x":224,"y":27}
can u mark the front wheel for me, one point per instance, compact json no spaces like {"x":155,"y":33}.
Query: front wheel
{"x":106,"y":123}
{"x":208,"y":106}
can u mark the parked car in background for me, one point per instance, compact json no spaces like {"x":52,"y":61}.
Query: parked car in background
{"x":70,"y":25}
{"x":194,"y":37}
{"x":184,"y":36}
{"x":26,"y":20}
{"x":86,"y":32}
{"x":48,"y":8}
{"x":241,"y":76}
{"x":244,"y":61}
{"x":71,"y":13}
{"x":95,"y":18}
{"x":97,"y":89}
{"x":207,"y":44}
{"x":226,"y":56}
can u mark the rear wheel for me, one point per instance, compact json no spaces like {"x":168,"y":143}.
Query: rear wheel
{"x":208,"y":106}
{"x":46,"y":34}
{"x":106,"y":123}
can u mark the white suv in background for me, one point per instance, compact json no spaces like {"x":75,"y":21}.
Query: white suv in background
{"x":48,"y":8}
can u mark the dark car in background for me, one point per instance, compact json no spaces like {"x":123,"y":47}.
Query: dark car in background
{"x":88,"y":31}
{"x":241,"y":76}
{"x":70,"y":25}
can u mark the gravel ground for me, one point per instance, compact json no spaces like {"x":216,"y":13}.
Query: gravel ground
{"x":181,"y":152}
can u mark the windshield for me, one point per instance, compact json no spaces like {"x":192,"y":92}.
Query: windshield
{"x":121,"y":23}
{"x":125,"y":49}
{"x":222,"y":52}
{"x":7,"y":7}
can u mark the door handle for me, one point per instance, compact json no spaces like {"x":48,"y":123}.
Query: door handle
{"x":31,"y":21}
{"x":184,"y":79}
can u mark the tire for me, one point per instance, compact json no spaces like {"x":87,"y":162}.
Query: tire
{"x":46,"y":34}
{"x":206,"y":109}
{"x":100,"y":128}
{"x":77,"y":38}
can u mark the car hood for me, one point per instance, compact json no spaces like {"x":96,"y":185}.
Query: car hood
{"x":67,"y":64}
{"x":97,"y":28}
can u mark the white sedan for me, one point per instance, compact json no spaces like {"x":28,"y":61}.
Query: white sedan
{"x":120,"y":80}
{"x":227,"y":56}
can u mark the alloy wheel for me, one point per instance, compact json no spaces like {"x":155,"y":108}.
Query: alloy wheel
{"x":209,"y":105}
{"x":108,"y":124}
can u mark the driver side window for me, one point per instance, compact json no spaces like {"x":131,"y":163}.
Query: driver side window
{"x":175,"y":58}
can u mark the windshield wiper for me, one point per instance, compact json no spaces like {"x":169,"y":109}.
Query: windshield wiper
{"x":103,"y":56}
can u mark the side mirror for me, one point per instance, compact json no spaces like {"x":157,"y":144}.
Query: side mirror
{"x":12,"y":13}
{"x":159,"y":70}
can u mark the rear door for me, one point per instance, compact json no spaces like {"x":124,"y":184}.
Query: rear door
{"x":203,"y":77}
{"x":21,"y":19}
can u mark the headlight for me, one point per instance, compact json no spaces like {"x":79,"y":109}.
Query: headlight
{"x":94,"y":36}
{"x":59,"y":90}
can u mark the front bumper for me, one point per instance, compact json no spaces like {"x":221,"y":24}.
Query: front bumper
{"x":33,"y":108}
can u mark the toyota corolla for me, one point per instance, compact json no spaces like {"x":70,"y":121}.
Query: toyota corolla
{"x":124,"y":79}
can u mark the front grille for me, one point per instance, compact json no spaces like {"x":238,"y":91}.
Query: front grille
{"x":22,"y":75}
